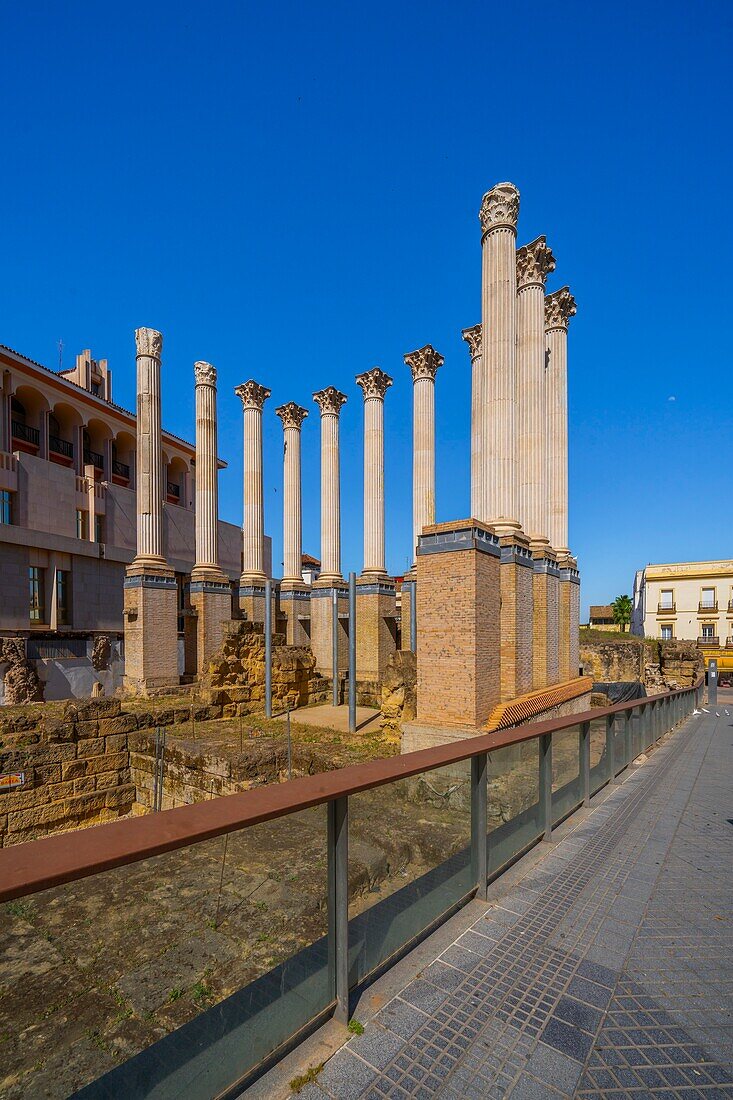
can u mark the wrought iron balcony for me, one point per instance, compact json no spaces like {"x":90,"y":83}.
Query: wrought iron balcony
{"x":93,"y":458}
{"x":729,"y":643}
{"x":703,"y":608}
{"x":667,"y":609}
{"x":60,"y":446}
{"x":174,"y":491}
{"x":707,"y":640}
{"x":27,"y":434}
{"x":121,"y":469}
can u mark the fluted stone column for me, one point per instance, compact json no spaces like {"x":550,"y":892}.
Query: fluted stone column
{"x":294,"y":592}
{"x":150,"y":598}
{"x":534,"y":262}
{"x":472,"y":336}
{"x":252,"y":580}
{"x":423,"y":364}
{"x":376,"y":636}
{"x":210,"y":590}
{"x":330,"y":402}
{"x":497,"y":424}
{"x":559,"y":308}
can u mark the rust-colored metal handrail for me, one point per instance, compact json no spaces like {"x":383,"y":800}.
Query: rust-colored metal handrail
{"x":52,"y":861}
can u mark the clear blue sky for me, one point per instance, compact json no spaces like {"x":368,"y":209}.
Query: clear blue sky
{"x":291,"y":192}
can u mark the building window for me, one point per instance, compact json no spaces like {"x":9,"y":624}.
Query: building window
{"x":666,"y":599}
{"x":708,"y":630}
{"x":82,"y":524}
{"x":707,"y":598}
{"x":6,"y":506}
{"x":667,"y":634}
{"x":63,"y":592}
{"x":37,"y":595}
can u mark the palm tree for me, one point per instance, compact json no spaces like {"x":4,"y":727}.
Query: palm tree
{"x":621,"y":607}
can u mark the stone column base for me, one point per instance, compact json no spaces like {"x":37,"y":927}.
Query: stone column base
{"x":212,"y":602}
{"x":151,"y":629}
{"x":407,"y":595}
{"x":252,"y":601}
{"x":321,"y":626}
{"x":516,"y":575}
{"x":295,"y":613}
{"x":376,"y":627}
{"x":546,"y":588}
{"x":457,"y":592}
{"x":569,"y":618}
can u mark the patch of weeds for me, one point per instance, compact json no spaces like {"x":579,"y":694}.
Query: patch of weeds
{"x":355,"y":1026}
{"x":201,"y":993}
{"x":126,"y":1014}
{"x":22,"y":909}
{"x":261,"y":906}
{"x":308,"y":1078}
{"x":175,"y":995}
{"x":264,"y":937}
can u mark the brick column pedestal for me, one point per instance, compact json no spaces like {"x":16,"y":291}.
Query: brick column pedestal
{"x":516,"y":616}
{"x":569,"y":640}
{"x":322,"y":626}
{"x":376,"y":633}
{"x":546,"y":589}
{"x":458,"y":582}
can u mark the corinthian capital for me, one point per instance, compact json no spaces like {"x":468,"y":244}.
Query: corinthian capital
{"x":292,"y":415}
{"x":559,"y":308}
{"x":205,"y":374}
{"x":499,"y":207}
{"x":472,"y":336}
{"x":534,"y":263}
{"x":424,"y":362}
{"x":329,"y":400}
{"x":148,"y":342}
{"x":374,"y":383}
{"x":252,"y":394}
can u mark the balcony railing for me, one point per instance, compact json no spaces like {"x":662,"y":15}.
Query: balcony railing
{"x":730,"y":605}
{"x":60,"y":446}
{"x":729,"y":643}
{"x":121,"y":469}
{"x":224,"y":846}
{"x":708,"y":640}
{"x":704,"y":608}
{"x":25,"y":433}
{"x":666,"y":609}
{"x":174,"y":490}
{"x":93,"y":458}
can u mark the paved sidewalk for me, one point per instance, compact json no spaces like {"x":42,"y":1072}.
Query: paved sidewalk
{"x":607,"y":972}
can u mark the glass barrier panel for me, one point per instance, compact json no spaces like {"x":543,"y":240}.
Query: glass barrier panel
{"x":638,"y":718}
{"x":619,"y":741}
{"x":170,"y":977}
{"x":409,"y":861}
{"x":567,"y":785}
{"x":513,"y":804}
{"x":598,"y":757}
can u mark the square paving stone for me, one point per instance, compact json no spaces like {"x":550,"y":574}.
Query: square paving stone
{"x":527,"y":1088}
{"x":549,"y":1065}
{"x":598,"y":973}
{"x":445,"y":977}
{"x":567,"y":1039}
{"x":423,"y":995}
{"x":346,"y":1076}
{"x":376,"y":1046}
{"x":581,"y":1015}
{"x":401,"y":1018}
{"x":590,"y":992}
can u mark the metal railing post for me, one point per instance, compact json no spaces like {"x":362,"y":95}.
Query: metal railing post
{"x":352,"y":652}
{"x":413,"y":616}
{"x":338,"y":904}
{"x":479,"y":822}
{"x":268,"y":648}
{"x":610,"y":748}
{"x":545,"y":792}
{"x":627,"y":737}
{"x":584,"y":748}
{"x":335,"y":646}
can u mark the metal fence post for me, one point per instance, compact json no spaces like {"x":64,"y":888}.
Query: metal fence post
{"x":268,"y":648}
{"x":610,"y":748}
{"x":479,"y":822}
{"x":352,"y":652}
{"x":584,"y":747}
{"x":545,"y":792}
{"x":335,"y":646}
{"x":338,"y":904}
{"x":413,"y":616}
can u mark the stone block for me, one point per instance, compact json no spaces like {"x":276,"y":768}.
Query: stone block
{"x":108,"y":762}
{"x":123,"y":723}
{"x":87,"y":728}
{"x":49,"y":773}
{"x":116,"y":743}
{"x":91,"y":746}
{"x":84,"y":785}
{"x":56,"y":731}
{"x":121,"y":797}
{"x":74,"y":769}
{"x":104,"y":780}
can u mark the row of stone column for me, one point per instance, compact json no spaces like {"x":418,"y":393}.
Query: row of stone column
{"x":519,"y":382}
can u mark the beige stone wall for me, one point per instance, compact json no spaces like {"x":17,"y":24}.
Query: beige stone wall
{"x":458,"y":636}
{"x":76,"y":770}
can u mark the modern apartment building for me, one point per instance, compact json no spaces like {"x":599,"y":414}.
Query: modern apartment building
{"x":67,"y":507}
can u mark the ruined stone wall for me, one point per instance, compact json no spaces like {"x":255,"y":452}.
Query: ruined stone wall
{"x":399,"y":691}
{"x":659,"y":666}
{"x":76,"y":768}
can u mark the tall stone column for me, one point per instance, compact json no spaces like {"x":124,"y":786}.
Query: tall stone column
{"x":252,"y":580}
{"x":150,"y":597}
{"x":497,"y":425}
{"x":472,"y":336}
{"x":423,"y":364}
{"x":534,"y":262}
{"x":376,"y":637}
{"x":211,"y":597}
{"x":330,"y":402}
{"x":294,"y":592}
{"x":559,"y":308}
